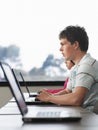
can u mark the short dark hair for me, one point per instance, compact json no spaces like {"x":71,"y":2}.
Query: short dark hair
{"x":76,"y":33}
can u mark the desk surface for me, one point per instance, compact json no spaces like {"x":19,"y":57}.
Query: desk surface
{"x":11,"y":119}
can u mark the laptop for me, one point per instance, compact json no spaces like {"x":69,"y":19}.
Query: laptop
{"x":34,"y":94}
{"x":37,"y":113}
{"x":29,"y":100}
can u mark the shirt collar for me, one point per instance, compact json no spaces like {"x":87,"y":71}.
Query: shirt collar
{"x":84,"y":58}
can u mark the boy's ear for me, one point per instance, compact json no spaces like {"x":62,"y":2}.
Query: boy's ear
{"x":76,"y":45}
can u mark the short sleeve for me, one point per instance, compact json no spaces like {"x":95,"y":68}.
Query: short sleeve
{"x":85,"y":76}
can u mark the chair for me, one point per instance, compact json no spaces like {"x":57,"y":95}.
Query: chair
{"x":96,"y":108}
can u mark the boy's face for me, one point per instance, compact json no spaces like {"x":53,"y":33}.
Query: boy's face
{"x":67,"y":50}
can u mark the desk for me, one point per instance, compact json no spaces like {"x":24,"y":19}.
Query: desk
{"x":14,"y":121}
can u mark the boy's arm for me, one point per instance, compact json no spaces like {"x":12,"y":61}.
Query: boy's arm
{"x":74,"y":98}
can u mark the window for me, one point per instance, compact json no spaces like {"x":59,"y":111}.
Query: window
{"x":29,"y":32}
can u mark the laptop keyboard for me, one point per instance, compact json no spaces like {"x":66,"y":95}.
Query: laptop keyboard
{"x":48,"y":114}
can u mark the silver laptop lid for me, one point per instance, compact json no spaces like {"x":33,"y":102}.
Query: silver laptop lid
{"x":14,"y":87}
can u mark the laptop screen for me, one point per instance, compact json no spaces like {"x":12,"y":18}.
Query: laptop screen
{"x":14,"y":88}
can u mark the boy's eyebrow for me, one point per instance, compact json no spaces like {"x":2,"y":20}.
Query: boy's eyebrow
{"x":61,"y":43}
